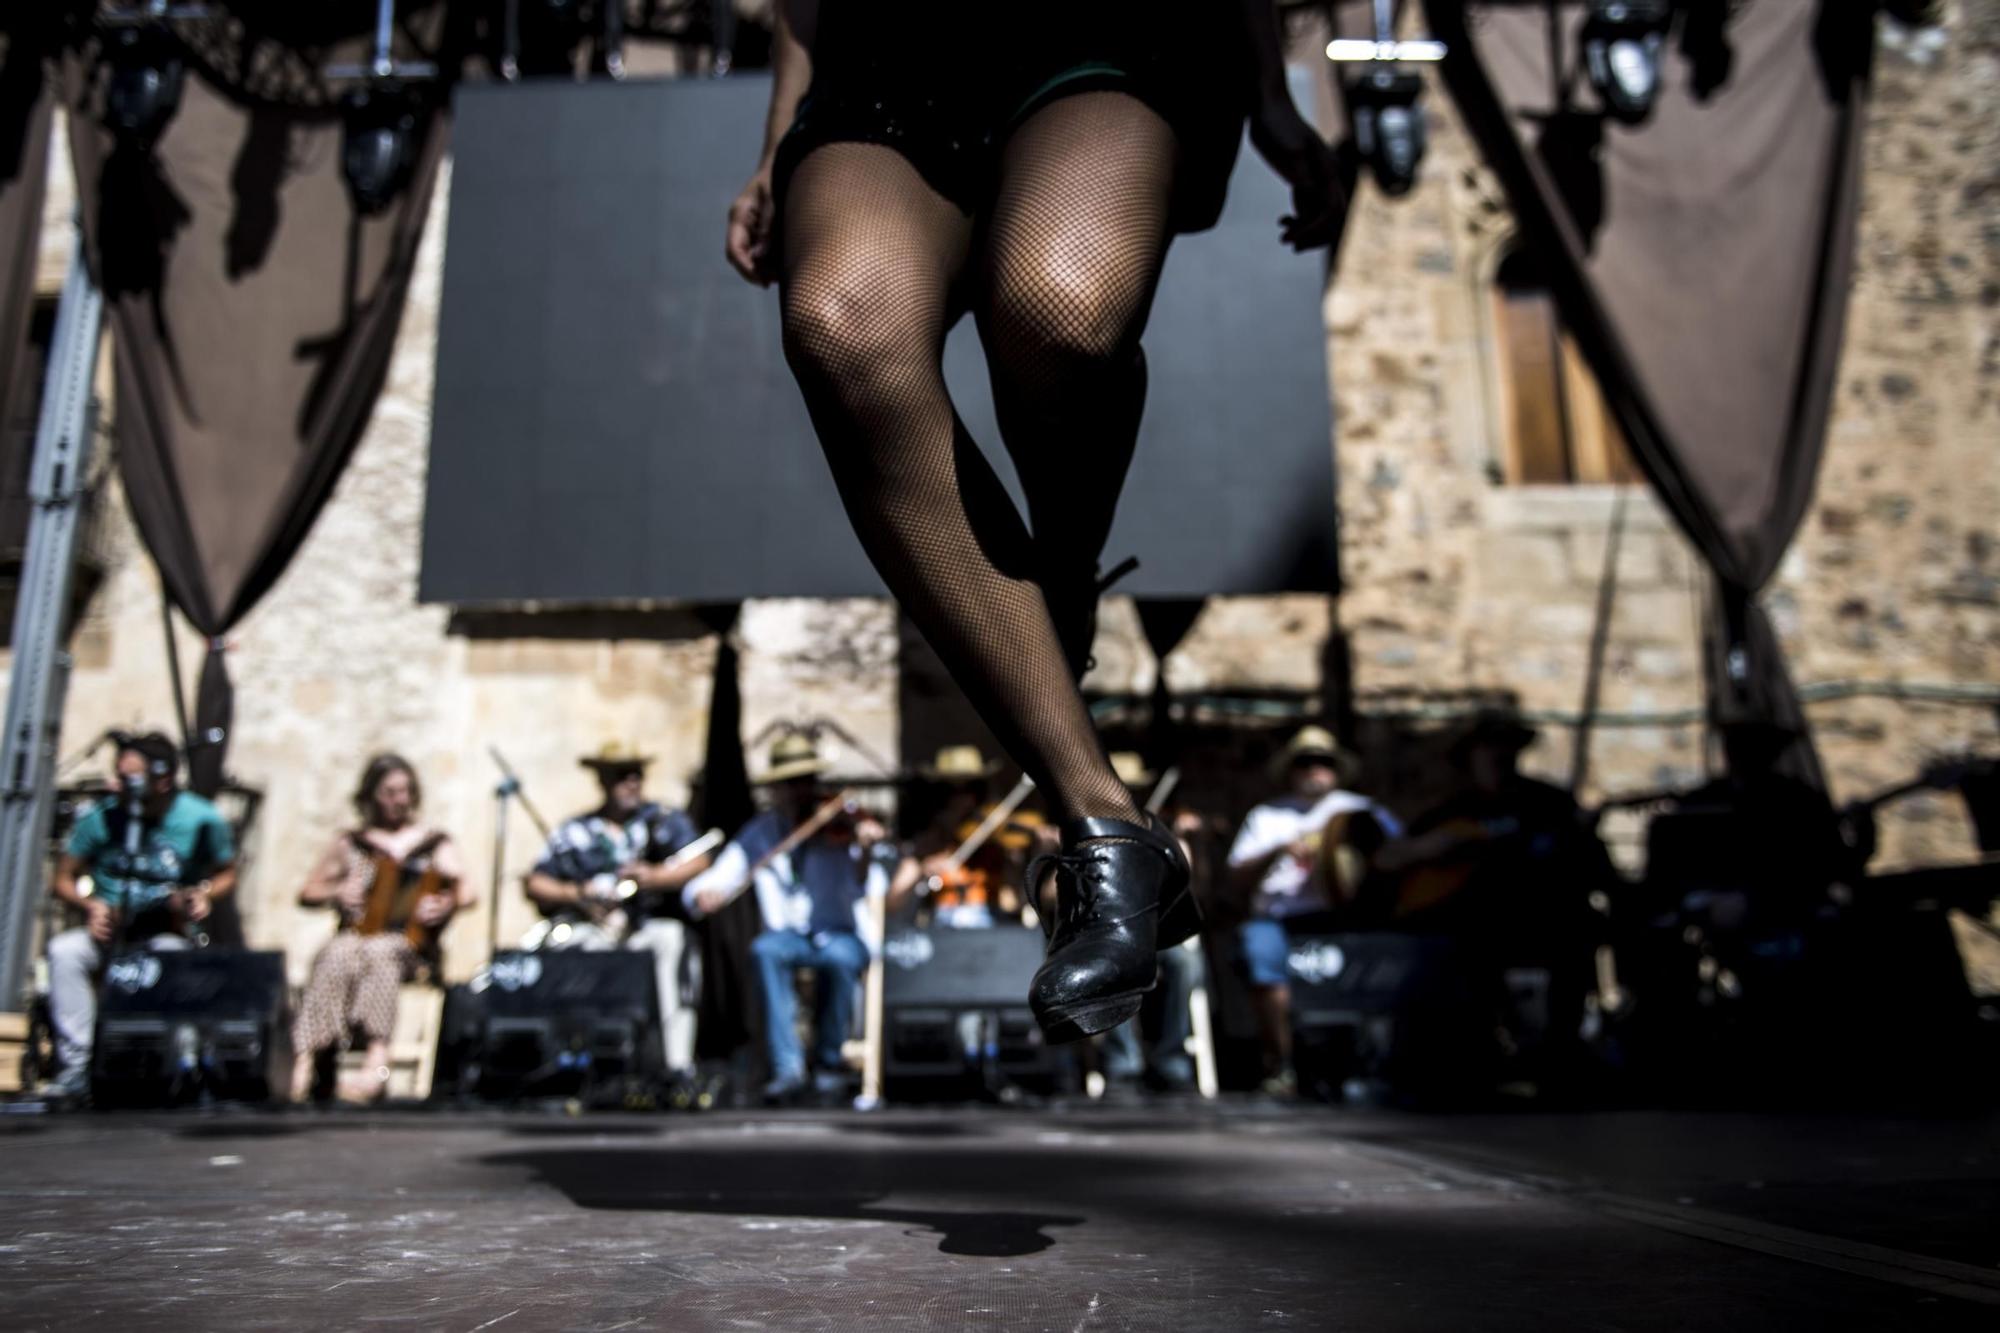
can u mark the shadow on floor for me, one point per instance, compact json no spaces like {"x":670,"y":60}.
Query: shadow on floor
{"x":585,"y":1129}
{"x":831,"y":1184}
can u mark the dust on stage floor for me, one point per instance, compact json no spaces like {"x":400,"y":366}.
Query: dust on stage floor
{"x":1095,"y":1218}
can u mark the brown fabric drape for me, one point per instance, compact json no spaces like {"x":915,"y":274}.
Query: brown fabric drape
{"x":254,"y":310}
{"x":1702,"y":258}
{"x":732,"y":1001}
{"x":26,"y":110}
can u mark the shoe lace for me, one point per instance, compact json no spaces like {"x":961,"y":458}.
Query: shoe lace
{"x":1072,"y":909}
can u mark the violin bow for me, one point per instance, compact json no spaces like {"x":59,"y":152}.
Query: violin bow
{"x":990,"y":825}
{"x":808,"y":826}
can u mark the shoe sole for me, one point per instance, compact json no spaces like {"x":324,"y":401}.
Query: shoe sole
{"x":1074,"y":1022}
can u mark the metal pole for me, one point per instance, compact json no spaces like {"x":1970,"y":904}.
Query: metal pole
{"x":40,"y":675}
{"x":508,"y":786}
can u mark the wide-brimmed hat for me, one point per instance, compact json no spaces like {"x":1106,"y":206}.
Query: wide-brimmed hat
{"x":1497,"y":729}
{"x":1131,"y":769}
{"x":616,"y":757}
{"x":1314,"y":743}
{"x":959,"y":763}
{"x":793,"y":756}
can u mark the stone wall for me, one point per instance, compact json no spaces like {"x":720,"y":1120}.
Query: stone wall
{"x":1458,"y":587}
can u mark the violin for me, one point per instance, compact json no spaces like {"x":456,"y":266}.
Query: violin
{"x":840,"y":825}
{"x":838,"y":810}
{"x":1015,"y":834}
{"x":957,"y":880}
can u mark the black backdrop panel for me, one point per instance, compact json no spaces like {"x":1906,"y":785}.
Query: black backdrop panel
{"x":614,"y":418}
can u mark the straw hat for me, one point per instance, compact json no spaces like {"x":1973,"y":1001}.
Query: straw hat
{"x":959,"y":763}
{"x":1314,"y":743}
{"x":792,"y":756}
{"x":615,"y":756}
{"x":1131,"y":769}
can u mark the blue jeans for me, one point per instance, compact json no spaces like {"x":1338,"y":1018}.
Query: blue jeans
{"x":838,"y":958}
{"x":1265,"y":950}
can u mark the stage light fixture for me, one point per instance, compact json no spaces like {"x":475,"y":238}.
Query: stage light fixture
{"x":1622,"y":40}
{"x":380,"y":118}
{"x":147,"y":68}
{"x":145,"y":85}
{"x":377,"y":143}
{"x":1389,"y":127}
{"x":1385,"y":101}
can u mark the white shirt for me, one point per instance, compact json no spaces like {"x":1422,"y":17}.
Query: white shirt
{"x":1285,"y":888}
{"x":784,"y":901}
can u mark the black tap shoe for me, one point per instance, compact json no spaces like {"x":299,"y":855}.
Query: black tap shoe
{"x":1122,"y":895}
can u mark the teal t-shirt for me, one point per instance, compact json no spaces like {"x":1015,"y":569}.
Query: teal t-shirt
{"x":189,"y":843}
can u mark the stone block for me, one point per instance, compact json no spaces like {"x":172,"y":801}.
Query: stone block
{"x":1526,"y":561}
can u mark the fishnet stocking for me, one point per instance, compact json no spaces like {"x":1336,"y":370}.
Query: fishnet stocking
{"x":1073,"y":254}
{"x":872,"y":256}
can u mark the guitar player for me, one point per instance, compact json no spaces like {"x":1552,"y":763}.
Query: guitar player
{"x":158,"y":859}
{"x":1506,"y":865}
{"x":610,"y":878}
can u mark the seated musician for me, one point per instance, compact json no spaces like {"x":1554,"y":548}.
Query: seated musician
{"x":1775,"y":847}
{"x":983,"y":891}
{"x":814,"y":902}
{"x":356,"y":976}
{"x":1271,"y":871}
{"x":612,"y":878}
{"x":1508,"y":857}
{"x":1507,"y":866}
{"x":158,"y":859}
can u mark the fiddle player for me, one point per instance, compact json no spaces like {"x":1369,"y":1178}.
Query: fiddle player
{"x":983,"y":891}
{"x":813,"y":900}
{"x":355,"y":978}
{"x":1271,"y":869}
{"x":159,"y":859}
{"x":609,"y":879}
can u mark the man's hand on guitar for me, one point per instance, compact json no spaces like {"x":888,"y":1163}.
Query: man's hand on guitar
{"x":102,"y":920}
{"x":434,"y":909}
{"x":194,"y":904}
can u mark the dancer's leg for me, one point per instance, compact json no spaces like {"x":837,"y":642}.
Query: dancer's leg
{"x":1078,"y":234}
{"x":871,"y":254}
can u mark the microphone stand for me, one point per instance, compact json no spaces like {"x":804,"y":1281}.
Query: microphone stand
{"x":508,"y":789}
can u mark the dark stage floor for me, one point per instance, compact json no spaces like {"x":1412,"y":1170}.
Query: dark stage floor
{"x":1208,"y":1218}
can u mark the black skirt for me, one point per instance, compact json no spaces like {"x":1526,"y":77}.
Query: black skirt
{"x":945,"y":84}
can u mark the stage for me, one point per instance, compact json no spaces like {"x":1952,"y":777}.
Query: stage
{"x":1093,"y":1218}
